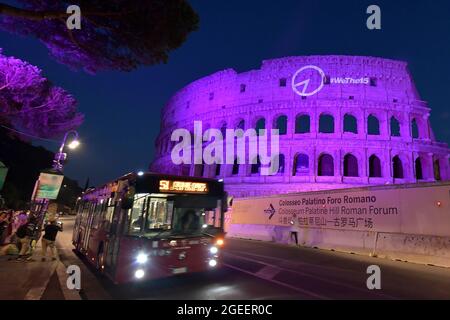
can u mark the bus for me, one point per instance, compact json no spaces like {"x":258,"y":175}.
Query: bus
{"x":144,"y":226}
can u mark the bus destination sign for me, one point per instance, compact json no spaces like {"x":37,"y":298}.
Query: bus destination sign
{"x":183,"y":186}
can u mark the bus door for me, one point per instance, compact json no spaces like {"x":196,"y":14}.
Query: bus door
{"x":113,"y":238}
{"x":87,"y":231}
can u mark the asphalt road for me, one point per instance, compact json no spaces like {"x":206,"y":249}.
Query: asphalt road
{"x":261,"y":270}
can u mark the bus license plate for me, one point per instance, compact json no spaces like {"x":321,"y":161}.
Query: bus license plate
{"x":179,"y":270}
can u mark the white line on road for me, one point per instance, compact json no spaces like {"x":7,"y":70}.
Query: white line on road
{"x":336,"y":283}
{"x":309,"y":293}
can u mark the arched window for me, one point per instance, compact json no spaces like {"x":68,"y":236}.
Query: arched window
{"x":375,"y":167}
{"x":437,"y":170}
{"x":395,"y":127}
{"x":281,"y":163}
{"x":397,"y":167}
{"x":281,"y":125}
{"x":260,"y":125}
{"x":218,"y":166}
{"x":235,"y":170}
{"x":350,"y":124}
{"x":241,"y":124}
{"x":419,"y":171}
{"x":326,"y":165}
{"x":373,"y":126}
{"x":326,"y":123}
{"x":414,"y":129}
{"x":302,"y":124}
{"x":199,"y":170}
{"x":350,"y":166}
{"x":301,"y":164}
{"x":256,"y":167}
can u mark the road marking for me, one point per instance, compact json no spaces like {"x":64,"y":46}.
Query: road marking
{"x":336,"y":283}
{"x":268,"y":272}
{"x":36,"y":293}
{"x":309,"y":293}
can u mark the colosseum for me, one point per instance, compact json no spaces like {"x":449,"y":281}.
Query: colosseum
{"x":365,"y":124}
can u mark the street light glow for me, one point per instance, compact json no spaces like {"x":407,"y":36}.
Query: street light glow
{"x":140,"y":173}
{"x":74,"y":144}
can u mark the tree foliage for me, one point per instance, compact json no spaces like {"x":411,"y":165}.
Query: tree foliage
{"x":114,"y":35}
{"x":30,"y":103}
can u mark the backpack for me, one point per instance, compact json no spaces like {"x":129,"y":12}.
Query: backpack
{"x":22,"y":231}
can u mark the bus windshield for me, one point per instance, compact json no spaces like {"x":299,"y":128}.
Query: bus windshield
{"x":158,"y":217}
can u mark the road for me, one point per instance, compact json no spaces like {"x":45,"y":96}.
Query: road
{"x":261,"y":270}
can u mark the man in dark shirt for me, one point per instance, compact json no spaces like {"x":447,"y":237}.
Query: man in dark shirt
{"x":49,"y":237}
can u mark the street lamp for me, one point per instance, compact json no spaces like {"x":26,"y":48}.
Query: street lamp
{"x":60,"y":156}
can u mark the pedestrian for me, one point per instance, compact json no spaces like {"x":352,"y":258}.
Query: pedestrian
{"x":49,"y":237}
{"x":294,"y":229}
{"x":23,"y":235}
{"x":4,"y":225}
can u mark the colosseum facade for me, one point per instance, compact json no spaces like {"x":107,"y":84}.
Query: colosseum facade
{"x":350,"y":133}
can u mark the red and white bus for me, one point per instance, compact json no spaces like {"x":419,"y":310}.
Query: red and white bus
{"x":146,"y":226}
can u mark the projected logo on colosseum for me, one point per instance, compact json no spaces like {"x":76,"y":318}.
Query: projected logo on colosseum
{"x":308,"y":80}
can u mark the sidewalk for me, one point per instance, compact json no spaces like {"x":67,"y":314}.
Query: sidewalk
{"x":33,"y":280}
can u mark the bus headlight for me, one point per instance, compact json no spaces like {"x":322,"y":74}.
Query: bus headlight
{"x":141,"y":258}
{"x":213,"y":250}
{"x":139,"y":274}
{"x":212,"y":263}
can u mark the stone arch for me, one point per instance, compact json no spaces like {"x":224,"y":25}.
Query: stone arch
{"x":397,"y":168}
{"x":302,"y":123}
{"x":260,"y":124}
{"x":301,"y":164}
{"x":240,"y":124}
{"x":418,"y":168}
{"x":373,"y":125}
{"x":437,"y":169}
{"x":375,"y":169}
{"x":350,"y":123}
{"x":395,"y":127}
{"x":350,"y":166}
{"x":280,"y":123}
{"x":415,"y":133}
{"x":325,"y":165}
{"x":326,"y":123}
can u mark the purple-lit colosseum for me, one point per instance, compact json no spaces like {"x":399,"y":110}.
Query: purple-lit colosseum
{"x":370,"y":132}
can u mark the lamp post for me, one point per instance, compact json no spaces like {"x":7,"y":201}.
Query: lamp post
{"x":61,"y":156}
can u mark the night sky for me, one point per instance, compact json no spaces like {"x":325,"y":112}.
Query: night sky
{"x":122,"y":110}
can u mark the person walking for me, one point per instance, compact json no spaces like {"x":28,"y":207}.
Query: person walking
{"x":49,"y":238}
{"x":23,"y":235}
{"x":294,"y":229}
